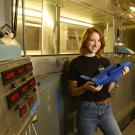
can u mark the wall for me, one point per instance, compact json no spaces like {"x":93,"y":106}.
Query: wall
{"x":129,"y":37}
{"x":5,"y":12}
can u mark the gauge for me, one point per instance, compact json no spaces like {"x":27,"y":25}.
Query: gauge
{"x":12,"y":98}
{"x":8,"y":76}
{"x":22,"y":110}
{"x":28,"y":67}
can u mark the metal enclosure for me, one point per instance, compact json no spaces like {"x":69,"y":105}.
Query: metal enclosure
{"x":49,"y":71}
{"x":18,"y":96}
{"x":49,"y":111}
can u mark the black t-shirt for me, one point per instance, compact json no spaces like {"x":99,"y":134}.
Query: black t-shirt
{"x":88,"y":66}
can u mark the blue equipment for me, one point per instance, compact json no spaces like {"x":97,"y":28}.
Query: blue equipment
{"x":109,"y":74}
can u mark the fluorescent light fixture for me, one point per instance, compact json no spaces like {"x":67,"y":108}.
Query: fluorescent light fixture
{"x":29,"y":12}
{"x":32,"y":24}
{"x":71,"y":21}
{"x":38,"y":14}
{"x":132,"y":8}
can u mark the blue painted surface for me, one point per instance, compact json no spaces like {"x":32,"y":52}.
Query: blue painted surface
{"x":58,"y":103}
{"x":34,"y":108}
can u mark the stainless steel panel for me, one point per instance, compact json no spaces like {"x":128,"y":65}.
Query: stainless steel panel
{"x":46,"y":65}
{"x":51,"y":100}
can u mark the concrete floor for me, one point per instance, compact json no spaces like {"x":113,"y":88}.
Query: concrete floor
{"x":130,"y":129}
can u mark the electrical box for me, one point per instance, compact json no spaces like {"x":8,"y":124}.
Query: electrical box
{"x":18,"y":96}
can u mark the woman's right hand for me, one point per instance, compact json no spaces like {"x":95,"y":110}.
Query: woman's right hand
{"x":90,"y":87}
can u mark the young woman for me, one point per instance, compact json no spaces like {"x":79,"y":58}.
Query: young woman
{"x":95,"y":106}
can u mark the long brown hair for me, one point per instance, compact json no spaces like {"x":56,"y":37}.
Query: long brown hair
{"x":85,"y":38}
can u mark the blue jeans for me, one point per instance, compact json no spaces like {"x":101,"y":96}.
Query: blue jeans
{"x":91,"y":115}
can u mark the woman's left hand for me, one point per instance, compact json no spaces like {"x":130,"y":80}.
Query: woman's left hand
{"x":125,"y":70}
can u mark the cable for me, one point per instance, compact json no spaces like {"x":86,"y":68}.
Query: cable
{"x":34,"y":129}
{"x":15,"y":18}
{"x":26,"y":133}
{"x":29,"y":130}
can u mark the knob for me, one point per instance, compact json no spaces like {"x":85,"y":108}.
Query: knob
{"x":34,"y":89}
{"x":27,"y":97}
{"x":23,"y":79}
{"x":17,"y":107}
{"x":31,"y":73}
{"x":13,"y":85}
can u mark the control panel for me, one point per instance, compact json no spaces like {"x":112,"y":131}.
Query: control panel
{"x":18,"y":95}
